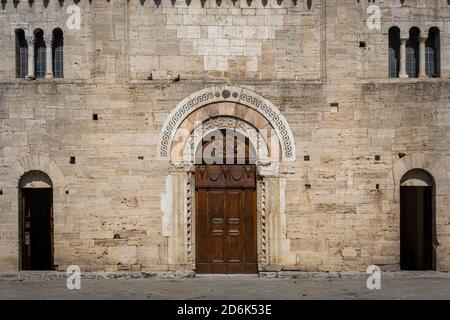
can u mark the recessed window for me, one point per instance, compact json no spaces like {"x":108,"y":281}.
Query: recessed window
{"x":432,"y":54}
{"x":58,"y":53}
{"x":413,"y":53}
{"x":21,"y":54}
{"x":394,"y":52}
{"x":40,"y":53}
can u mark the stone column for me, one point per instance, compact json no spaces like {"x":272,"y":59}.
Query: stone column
{"x":422,"y":71}
{"x":403,"y":73}
{"x":49,"y":58}
{"x":30,"y":40}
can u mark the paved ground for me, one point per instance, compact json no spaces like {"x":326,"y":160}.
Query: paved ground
{"x":233,"y":287}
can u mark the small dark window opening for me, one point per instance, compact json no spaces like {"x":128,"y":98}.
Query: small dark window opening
{"x":432,"y":54}
{"x":39,"y":54}
{"x":394,"y":52}
{"x":21,"y":54}
{"x":58,"y":53}
{"x":413,"y":53}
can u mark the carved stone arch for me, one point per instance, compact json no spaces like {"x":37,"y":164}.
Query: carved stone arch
{"x":257,"y":140}
{"x":233,"y":94}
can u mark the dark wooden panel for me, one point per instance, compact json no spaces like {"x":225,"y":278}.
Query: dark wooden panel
{"x":235,"y":245}
{"x":216,"y":239}
{"x":201,"y":226}
{"x":250,"y":235}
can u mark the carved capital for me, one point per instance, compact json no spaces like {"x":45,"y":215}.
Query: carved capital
{"x":267,"y":168}
{"x":181,"y":167}
{"x":30,"y":40}
{"x":48,"y":40}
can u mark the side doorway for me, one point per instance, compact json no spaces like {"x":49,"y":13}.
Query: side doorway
{"x":417,"y":221}
{"x":36,"y":222}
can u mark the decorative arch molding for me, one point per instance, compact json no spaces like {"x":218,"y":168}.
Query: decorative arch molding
{"x":36,"y":163}
{"x":232,"y":94}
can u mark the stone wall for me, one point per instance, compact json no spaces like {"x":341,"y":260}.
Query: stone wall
{"x":227,"y":41}
{"x":360,"y":129}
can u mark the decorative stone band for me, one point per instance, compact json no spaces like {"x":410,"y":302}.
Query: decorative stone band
{"x":234,"y":94}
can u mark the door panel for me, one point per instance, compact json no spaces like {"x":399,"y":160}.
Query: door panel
{"x":234,"y":252}
{"x":216,"y":221}
{"x":250,"y":236}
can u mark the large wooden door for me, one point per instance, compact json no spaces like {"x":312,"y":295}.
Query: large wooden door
{"x":226,"y":219}
{"x":37,"y":229}
{"x":416,"y":245}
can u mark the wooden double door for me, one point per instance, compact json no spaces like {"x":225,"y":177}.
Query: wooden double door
{"x":226,"y":219}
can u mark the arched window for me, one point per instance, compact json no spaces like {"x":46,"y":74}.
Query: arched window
{"x":432,"y":53}
{"x":39,"y":54}
{"x":413,"y":53}
{"x":21,"y":54}
{"x":394,"y":52}
{"x":58,"y":53}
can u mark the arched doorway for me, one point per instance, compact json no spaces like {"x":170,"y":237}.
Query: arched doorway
{"x":417,"y":221}
{"x":36,"y":221}
{"x":225,"y":183}
{"x":270,"y":135}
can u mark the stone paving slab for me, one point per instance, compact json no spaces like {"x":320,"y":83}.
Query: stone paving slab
{"x":418,"y":286}
{"x":58,"y":275}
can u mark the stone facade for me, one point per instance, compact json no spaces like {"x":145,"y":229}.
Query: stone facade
{"x":120,"y":205}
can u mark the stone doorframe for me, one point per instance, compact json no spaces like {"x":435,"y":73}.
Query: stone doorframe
{"x":178,"y":200}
